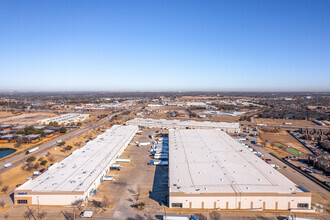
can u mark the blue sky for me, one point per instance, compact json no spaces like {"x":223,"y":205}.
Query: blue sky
{"x":130,"y":45}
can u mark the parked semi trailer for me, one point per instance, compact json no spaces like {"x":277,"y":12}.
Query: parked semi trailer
{"x":158,"y":162}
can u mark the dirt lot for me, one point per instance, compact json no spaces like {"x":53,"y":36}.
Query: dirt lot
{"x":26,"y":118}
{"x":4,"y":114}
{"x":283,"y":121}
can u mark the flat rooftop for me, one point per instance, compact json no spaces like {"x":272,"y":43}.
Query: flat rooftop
{"x":178,"y":123}
{"x":210,"y":161}
{"x":79,"y":170}
{"x":66,"y":117}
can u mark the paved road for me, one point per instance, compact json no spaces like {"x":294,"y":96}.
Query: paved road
{"x":286,"y":126}
{"x":21,"y":158}
{"x":290,"y":173}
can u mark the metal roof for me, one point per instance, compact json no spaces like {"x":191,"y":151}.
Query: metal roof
{"x":210,"y":161}
{"x":79,"y":170}
{"x":177,"y":123}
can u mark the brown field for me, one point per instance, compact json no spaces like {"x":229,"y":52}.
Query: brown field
{"x":282,"y":121}
{"x":280,"y":137}
{"x":26,"y":118}
{"x":6,"y":114}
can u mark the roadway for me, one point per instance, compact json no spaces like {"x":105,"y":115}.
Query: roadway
{"x":285,"y":126}
{"x":289,"y":172}
{"x":21,"y":158}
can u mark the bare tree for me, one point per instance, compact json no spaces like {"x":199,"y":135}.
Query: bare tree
{"x":51,"y":159}
{"x":68,"y":215}
{"x":215,"y":216}
{"x":19,"y":142}
{"x":2,"y":204}
{"x":42,"y":215}
{"x":137,"y":194}
{"x":149,"y":216}
{"x":78,"y":203}
{"x":105,"y":203}
{"x":200,"y":216}
{"x":6,"y":216}
{"x":29,"y":214}
{"x":5,"y":189}
{"x":36,"y":166}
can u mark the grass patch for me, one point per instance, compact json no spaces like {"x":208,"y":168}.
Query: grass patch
{"x":294,"y":151}
{"x":279,"y":145}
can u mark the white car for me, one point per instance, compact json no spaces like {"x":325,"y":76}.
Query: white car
{"x":7,"y":165}
{"x":86,"y":214}
{"x":108,"y":178}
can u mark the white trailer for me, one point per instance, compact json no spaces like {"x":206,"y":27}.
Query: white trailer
{"x":144,"y":144}
{"x":123,"y":160}
{"x":32,"y":150}
{"x":162,"y":156}
{"x":175,"y":217}
{"x":158,"y":162}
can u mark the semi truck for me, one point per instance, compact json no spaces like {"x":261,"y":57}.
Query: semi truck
{"x":32,"y":150}
{"x":115,"y":166}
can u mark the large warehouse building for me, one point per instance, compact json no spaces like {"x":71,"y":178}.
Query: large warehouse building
{"x":163,"y":123}
{"x":210,"y":170}
{"x":77,"y":176}
{"x":66,"y":118}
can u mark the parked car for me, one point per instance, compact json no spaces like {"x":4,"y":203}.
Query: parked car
{"x":86,"y":214}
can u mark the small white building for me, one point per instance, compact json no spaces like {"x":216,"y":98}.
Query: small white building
{"x":208,"y":169}
{"x":78,"y":176}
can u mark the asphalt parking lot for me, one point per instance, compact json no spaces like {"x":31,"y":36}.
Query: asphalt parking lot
{"x":136,"y":182}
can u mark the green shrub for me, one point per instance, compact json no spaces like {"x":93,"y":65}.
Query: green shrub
{"x":44,"y":162}
{"x":31,"y":159}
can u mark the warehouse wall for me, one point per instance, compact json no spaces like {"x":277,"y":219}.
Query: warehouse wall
{"x":247,"y":202}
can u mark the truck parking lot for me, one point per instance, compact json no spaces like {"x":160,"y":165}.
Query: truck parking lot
{"x":136,"y":182}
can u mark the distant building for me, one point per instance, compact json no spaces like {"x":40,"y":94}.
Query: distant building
{"x":66,"y":118}
{"x":163,"y":123}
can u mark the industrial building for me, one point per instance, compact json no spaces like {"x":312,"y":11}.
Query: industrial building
{"x":208,"y":169}
{"x":66,"y":118}
{"x":163,"y":123}
{"x":79,"y":175}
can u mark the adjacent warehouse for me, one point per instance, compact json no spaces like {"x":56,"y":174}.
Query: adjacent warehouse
{"x":163,"y":123}
{"x":66,"y":118}
{"x":78,"y":175}
{"x":210,"y":170}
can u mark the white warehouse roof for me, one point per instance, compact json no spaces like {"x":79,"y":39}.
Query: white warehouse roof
{"x":72,"y":117}
{"x":160,"y":123}
{"x":79,"y":170}
{"x":210,"y":161}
